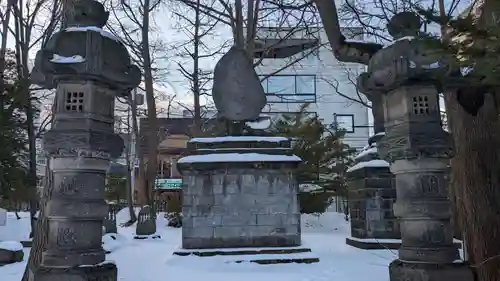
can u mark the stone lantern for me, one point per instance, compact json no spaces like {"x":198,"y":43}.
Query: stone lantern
{"x":88,"y":67}
{"x":418,"y":150}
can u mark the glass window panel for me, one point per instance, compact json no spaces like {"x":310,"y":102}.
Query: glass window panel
{"x":281,"y":85}
{"x":345,"y":122}
{"x":305,"y":84}
{"x":306,"y":98}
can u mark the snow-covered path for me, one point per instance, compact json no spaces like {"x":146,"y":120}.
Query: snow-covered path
{"x":152,"y":260}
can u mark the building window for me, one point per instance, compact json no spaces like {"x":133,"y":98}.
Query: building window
{"x":344,"y":122}
{"x":281,"y":85}
{"x":163,"y":169}
{"x":290,"y":88}
{"x":305,"y":84}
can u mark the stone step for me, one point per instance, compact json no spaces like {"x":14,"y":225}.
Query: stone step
{"x":258,"y":256}
{"x":241,"y":251}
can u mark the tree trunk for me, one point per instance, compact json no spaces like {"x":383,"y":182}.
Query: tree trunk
{"x":33,"y":179}
{"x":151,"y":165}
{"x":40,"y":238}
{"x":476,"y":174}
{"x":196,"y":71}
{"x":130,"y":166}
{"x":135,"y":131}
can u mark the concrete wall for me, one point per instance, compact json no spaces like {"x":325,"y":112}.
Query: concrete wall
{"x":240,"y":208}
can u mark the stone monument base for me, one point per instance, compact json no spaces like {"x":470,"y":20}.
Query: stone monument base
{"x":100,"y":272}
{"x":239,"y":192}
{"x":400,"y":271}
{"x":276,"y":255}
{"x":241,"y":242}
{"x":373,"y":243}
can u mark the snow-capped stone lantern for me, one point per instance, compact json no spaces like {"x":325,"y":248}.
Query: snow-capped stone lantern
{"x":418,"y":150}
{"x":371,"y":195}
{"x":88,"y":67}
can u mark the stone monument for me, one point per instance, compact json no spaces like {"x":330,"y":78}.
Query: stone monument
{"x":110,"y":219}
{"x":146,"y":224}
{"x":240,"y":191}
{"x":234,"y":79}
{"x":88,"y":67}
{"x":418,"y":150}
{"x":371,"y":195}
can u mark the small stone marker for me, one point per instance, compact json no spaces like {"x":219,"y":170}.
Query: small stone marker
{"x":110,"y":220}
{"x":3,"y":217}
{"x":146,"y":224}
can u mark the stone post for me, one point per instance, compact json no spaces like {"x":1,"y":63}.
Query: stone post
{"x":88,"y":67}
{"x":418,"y":150}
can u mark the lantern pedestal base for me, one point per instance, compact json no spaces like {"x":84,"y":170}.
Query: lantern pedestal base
{"x":100,"y":272}
{"x":403,"y":271}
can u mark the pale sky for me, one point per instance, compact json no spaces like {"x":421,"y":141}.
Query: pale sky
{"x":173,"y":82}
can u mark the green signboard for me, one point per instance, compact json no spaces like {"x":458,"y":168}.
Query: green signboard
{"x":168,"y":183}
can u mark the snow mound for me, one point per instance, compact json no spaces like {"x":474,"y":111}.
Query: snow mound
{"x":113,"y":241}
{"x":263,"y":123}
{"x":326,"y":222}
{"x":13,"y":246}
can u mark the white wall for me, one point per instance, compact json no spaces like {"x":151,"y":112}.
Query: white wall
{"x":331,"y":77}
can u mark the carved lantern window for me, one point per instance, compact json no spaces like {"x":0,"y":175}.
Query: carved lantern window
{"x":421,"y":105}
{"x":74,"y":101}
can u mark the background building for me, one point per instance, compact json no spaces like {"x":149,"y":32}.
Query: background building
{"x":302,"y":69}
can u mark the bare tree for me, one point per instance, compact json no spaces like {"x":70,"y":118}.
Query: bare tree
{"x":197,"y":27}
{"x":126,"y":123}
{"x":5,"y":14}
{"x":264,"y":29}
{"x":31,"y":23}
{"x":29,"y":33}
{"x":135,"y":24}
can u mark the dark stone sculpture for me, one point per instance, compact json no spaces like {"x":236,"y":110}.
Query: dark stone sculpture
{"x":88,"y":67}
{"x":391,"y":67}
{"x":237,"y":91}
{"x":83,"y":48}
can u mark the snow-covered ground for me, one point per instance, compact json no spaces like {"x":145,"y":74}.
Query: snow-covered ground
{"x":152,"y":260}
